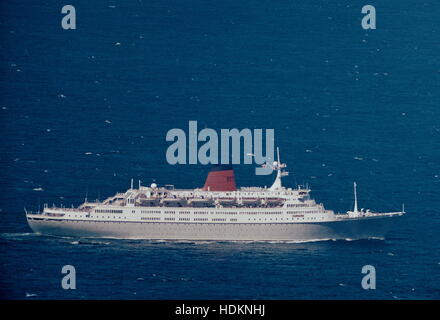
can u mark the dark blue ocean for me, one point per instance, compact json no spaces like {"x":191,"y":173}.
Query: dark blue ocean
{"x":83,"y":111}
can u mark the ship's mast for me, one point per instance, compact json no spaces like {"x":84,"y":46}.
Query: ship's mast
{"x":355,"y":199}
{"x":277,"y":165}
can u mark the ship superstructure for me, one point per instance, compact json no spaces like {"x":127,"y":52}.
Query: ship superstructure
{"x":217,"y":211}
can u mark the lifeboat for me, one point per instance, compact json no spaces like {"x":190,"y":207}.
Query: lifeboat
{"x":226,"y":202}
{"x":251,"y":202}
{"x":149,"y":202}
{"x":174,"y":202}
{"x":201,"y":202}
{"x":273,"y":202}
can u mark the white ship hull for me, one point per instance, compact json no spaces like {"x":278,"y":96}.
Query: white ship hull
{"x":346,"y":228}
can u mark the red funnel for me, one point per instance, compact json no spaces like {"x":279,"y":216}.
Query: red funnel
{"x":220,"y":178}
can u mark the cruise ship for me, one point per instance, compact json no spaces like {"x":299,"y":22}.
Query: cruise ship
{"x":217,"y":211}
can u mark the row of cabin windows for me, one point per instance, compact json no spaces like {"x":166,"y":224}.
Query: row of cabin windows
{"x":205,"y":212}
{"x":216,"y":219}
{"x":199,"y":212}
{"x":108,"y":211}
{"x":304,"y":211}
{"x":295,"y":218}
{"x":264,"y":212}
{"x":173,"y":212}
{"x":297,"y":205}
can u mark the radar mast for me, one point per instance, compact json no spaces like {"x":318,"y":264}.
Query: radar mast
{"x":278,"y":166}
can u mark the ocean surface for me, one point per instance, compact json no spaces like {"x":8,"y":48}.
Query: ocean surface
{"x":83,"y":111}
